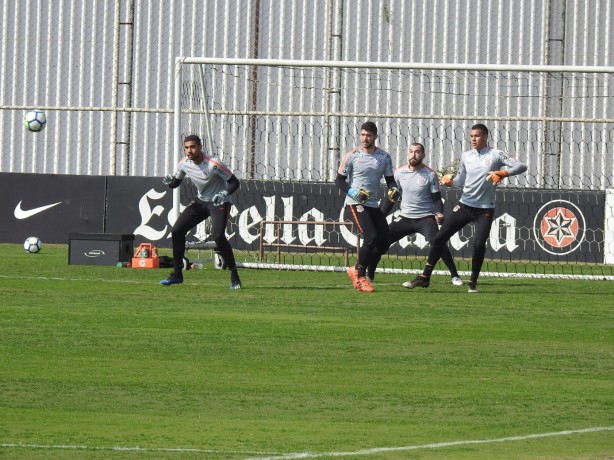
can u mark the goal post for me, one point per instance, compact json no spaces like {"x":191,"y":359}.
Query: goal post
{"x":282,"y":126}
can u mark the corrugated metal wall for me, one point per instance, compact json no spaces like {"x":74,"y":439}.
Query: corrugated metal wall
{"x":103,"y":70}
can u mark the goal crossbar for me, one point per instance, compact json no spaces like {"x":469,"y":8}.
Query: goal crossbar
{"x":393,"y":65}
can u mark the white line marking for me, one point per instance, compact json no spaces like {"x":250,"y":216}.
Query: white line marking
{"x":406,"y":271}
{"x":431,"y":446}
{"x":188,"y":282}
{"x":133,"y":449}
{"x":57,"y":278}
{"x":291,"y":456}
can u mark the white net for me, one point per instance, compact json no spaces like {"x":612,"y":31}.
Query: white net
{"x":283,"y":128}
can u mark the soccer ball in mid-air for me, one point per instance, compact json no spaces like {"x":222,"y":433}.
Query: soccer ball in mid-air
{"x":35,"y":120}
{"x":32,"y":244}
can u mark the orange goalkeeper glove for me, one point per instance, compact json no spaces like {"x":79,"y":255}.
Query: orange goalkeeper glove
{"x":447,"y":180}
{"x":497,"y":176}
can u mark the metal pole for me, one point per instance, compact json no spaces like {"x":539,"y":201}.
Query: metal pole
{"x":254,"y":95}
{"x":176,"y":133}
{"x":208,"y":142}
{"x":333,"y":88}
{"x":553,"y":95}
{"x":115,"y":89}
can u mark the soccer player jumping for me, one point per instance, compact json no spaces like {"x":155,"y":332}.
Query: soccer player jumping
{"x":359,"y":176}
{"x":480,"y":171}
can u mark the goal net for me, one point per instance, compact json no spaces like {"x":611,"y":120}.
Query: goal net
{"x":283,"y":127}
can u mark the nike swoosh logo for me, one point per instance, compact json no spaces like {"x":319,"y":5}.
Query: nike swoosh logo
{"x":25,"y":213}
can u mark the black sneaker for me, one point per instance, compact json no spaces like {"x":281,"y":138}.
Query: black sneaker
{"x":473,"y":287}
{"x":172,"y":279}
{"x":419,"y":281}
{"x":235,"y":281}
{"x":235,"y":285}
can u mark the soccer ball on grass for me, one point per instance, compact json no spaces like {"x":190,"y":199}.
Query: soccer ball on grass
{"x":35,"y":120}
{"x":32,"y":245}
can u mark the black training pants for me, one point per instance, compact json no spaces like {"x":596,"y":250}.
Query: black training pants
{"x":461,"y":216}
{"x":373,"y":227}
{"x":190,"y":217}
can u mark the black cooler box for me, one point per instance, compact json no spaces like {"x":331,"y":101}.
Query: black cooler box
{"x":99,"y":248}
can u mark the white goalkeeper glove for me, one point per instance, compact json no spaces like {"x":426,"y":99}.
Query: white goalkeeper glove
{"x":168,"y":179}
{"x":220,"y":198}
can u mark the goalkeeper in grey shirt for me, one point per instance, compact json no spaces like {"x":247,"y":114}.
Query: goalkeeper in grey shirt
{"x":421,"y":207}
{"x":480,"y":171}
{"x":359,"y":176}
{"x":214,"y":183}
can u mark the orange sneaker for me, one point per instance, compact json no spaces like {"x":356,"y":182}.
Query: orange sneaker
{"x":363,"y":285}
{"x":353,"y":274}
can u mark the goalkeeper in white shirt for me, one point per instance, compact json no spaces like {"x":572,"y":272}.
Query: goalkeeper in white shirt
{"x":214,"y":183}
{"x":359,"y":176}
{"x":481,"y":169}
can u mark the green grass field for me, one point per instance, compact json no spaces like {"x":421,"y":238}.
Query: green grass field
{"x":102,"y":362}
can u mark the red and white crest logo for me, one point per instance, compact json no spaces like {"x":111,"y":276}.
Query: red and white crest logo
{"x":559,"y":227}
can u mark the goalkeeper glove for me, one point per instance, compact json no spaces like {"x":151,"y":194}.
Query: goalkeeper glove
{"x":447,"y":180}
{"x":168,"y":179}
{"x":394,"y":195}
{"x":220,"y":198}
{"x":497,"y":176}
{"x":439,"y":218}
{"x":360,"y":195}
